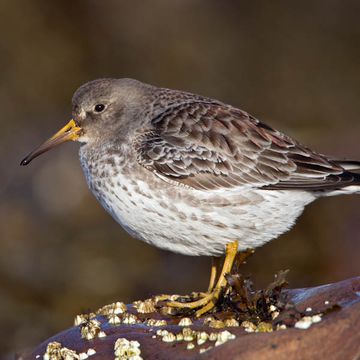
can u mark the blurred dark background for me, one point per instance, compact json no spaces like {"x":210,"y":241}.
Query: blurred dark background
{"x":293,"y":64}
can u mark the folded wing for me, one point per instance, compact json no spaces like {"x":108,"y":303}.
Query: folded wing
{"x":208,"y":145}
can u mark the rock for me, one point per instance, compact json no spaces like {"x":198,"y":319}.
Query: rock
{"x":313,"y":323}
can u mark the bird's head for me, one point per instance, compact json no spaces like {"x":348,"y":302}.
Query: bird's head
{"x":100,"y":111}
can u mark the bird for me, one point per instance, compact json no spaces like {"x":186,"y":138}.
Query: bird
{"x":194,"y":175}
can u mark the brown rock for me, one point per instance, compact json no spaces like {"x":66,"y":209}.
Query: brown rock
{"x":336,"y":336}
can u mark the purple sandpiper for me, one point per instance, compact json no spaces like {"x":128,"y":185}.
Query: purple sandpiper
{"x":193,"y":175}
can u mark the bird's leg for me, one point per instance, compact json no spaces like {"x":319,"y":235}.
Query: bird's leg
{"x":210,"y":299}
{"x":231,"y":252}
{"x":215,"y":268}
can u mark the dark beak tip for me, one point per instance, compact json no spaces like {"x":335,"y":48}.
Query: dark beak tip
{"x":24,"y":162}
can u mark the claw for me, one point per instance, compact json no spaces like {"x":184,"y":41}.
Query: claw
{"x":210,"y":299}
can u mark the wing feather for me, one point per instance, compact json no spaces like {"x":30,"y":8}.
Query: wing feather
{"x":208,"y":145}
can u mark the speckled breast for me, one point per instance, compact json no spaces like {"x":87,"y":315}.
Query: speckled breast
{"x":183,"y":220}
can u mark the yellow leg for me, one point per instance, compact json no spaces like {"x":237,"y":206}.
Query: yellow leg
{"x":209,"y":300}
{"x":231,"y":251}
{"x":215,"y":266}
{"x":215,"y":269}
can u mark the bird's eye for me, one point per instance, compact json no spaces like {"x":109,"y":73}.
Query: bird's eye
{"x":99,"y":107}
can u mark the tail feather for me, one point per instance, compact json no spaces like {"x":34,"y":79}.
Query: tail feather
{"x":348,"y":165}
{"x":350,"y":183}
{"x":344,"y":178}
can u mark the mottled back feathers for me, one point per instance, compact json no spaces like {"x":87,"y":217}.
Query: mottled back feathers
{"x":206,"y":145}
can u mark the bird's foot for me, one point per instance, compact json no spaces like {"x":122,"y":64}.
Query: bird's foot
{"x":209,"y":299}
{"x":206,"y":302}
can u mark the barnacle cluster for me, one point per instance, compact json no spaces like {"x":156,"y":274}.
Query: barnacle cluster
{"x":155,"y":322}
{"x":196,"y":337}
{"x":114,"y":308}
{"x":242,"y":307}
{"x":306,"y":321}
{"x":127,"y":350}
{"x":145,"y":307}
{"x":55,"y":351}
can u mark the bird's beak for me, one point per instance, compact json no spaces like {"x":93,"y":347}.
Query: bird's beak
{"x":71,"y":131}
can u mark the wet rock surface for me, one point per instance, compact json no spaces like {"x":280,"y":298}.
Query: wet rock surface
{"x":274,"y":323}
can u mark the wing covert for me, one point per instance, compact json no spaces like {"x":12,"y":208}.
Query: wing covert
{"x":207,"y":145}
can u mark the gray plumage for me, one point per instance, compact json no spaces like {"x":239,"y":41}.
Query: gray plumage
{"x":168,"y":165}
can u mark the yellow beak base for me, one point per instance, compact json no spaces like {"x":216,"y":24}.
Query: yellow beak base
{"x":71,"y":131}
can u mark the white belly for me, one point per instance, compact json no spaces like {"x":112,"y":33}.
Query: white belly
{"x":197,"y":222}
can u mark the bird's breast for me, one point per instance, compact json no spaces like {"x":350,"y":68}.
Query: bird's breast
{"x":183,"y":220}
